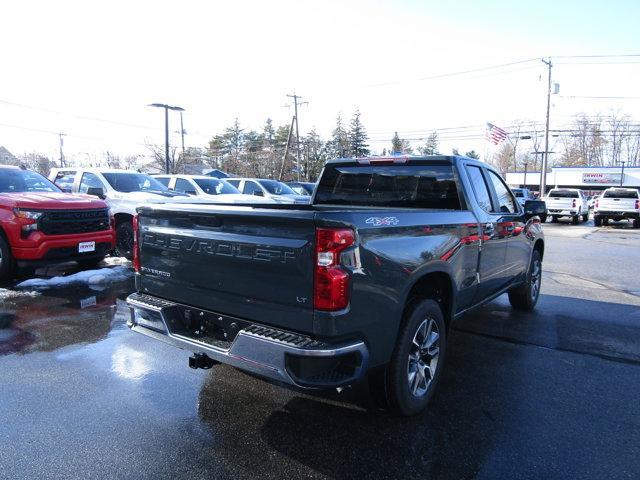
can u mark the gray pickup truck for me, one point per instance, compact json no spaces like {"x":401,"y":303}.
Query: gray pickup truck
{"x":363,"y":283}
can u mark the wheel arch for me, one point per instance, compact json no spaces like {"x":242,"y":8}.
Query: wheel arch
{"x":436,"y":284}
{"x":122,"y":217}
{"x":539,"y":246}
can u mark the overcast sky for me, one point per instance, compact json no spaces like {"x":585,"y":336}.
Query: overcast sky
{"x":64,"y":65}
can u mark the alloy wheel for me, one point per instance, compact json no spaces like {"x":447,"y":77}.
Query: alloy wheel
{"x":423,"y":357}
{"x":536,"y":278}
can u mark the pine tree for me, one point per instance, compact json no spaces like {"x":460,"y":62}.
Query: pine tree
{"x":396,"y":144}
{"x":358,"y":137}
{"x":339,"y":143}
{"x":431,"y":147}
{"x":472,"y":154}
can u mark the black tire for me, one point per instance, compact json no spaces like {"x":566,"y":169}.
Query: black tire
{"x":89,"y":264}
{"x":554,"y":219}
{"x":585,"y":217}
{"x":597,"y":221}
{"x":605,"y":221}
{"x":124,"y":240}
{"x":7,"y":262}
{"x":636,"y":223}
{"x":404,"y":396}
{"x":525,"y":296}
{"x":543,"y":218}
{"x":575,"y":220}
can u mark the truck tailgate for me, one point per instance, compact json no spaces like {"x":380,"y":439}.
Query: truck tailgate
{"x":237,"y":261}
{"x":617,"y":204}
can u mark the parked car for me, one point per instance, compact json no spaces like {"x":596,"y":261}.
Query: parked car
{"x":524,"y":194}
{"x":365,"y":282}
{"x":202,"y":185}
{"x":41,"y":225}
{"x":618,"y":204}
{"x":302,"y":188}
{"x":567,"y":202}
{"x":123,"y":191}
{"x":277,"y":191}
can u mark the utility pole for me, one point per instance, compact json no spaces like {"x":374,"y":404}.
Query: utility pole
{"x":286,"y":151}
{"x":545,"y":156}
{"x":61,"y":154}
{"x":182,"y":133}
{"x":622,"y":175}
{"x":295,"y":103}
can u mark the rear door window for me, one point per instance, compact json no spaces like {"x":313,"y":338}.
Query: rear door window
{"x":163,"y":180}
{"x":506,"y":201}
{"x":184,"y":186}
{"x":90,"y":180}
{"x":64,"y":180}
{"x":250,"y":188}
{"x":426,"y":186}
{"x":480,"y":189}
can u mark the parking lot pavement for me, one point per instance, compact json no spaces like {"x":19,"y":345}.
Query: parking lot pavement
{"x":549,"y":394}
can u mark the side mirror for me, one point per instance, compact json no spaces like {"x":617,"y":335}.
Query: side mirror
{"x":259,"y":193}
{"x":96,"y":192}
{"x":534,"y":208}
{"x":66,"y":189}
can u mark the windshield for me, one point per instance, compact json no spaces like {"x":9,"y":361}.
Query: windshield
{"x":20,"y":181}
{"x":276,"y":188}
{"x":517,"y":192}
{"x":213,"y":186}
{"x":564,"y":194}
{"x":134,"y":182}
{"x":621,"y":194}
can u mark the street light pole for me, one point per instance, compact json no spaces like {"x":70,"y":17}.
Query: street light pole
{"x":166,"y":130}
{"x":525,"y":174}
{"x":622,"y":175}
{"x":545,"y":156}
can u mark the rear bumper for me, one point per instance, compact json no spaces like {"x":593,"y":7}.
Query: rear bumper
{"x":562,"y":213}
{"x":275,"y":354}
{"x":617,"y":213}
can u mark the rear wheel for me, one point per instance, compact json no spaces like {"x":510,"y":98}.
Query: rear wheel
{"x":124,"y":239}
{"x":7,"y":263}
{"x":585,"y":217}
{"x":416,"y":363}
{"x":597,"y":221}
{"x":605,"y":221}
{"x":554,"y":219}
{"x":525,"y":296}
{"x":575,"y":219}
{"x":636,"y":223}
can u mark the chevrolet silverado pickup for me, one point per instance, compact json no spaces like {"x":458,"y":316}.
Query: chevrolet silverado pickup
{"x":363,"y":283}
{"x":39,"y":224}
{"x":617,"y":204}
{"x":567,"y":202}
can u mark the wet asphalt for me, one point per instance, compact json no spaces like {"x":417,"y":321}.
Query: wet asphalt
{"x":549,"y":394}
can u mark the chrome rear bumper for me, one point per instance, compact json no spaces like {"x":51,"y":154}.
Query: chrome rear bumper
{"x":272,"y":353}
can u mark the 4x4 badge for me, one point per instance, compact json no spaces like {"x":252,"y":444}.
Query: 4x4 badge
{"x":380,"y":221}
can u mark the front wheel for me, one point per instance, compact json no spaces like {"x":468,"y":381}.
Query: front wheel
{"x":7,"y":263}
{"x":525,"y":296}
{"x":124,"y":240}
{"x":416,"y":364}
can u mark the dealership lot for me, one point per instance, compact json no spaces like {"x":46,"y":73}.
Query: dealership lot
{"x":548,"y":394}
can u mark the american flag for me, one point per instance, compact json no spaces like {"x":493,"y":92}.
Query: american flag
{"x":495,"y":134}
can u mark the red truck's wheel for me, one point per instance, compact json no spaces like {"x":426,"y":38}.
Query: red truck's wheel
{"x":417,"y":360}
{"x":6,"y":261}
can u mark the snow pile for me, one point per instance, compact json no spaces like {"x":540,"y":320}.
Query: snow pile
{"x":6,"y":294}
{"x":89,"y":277}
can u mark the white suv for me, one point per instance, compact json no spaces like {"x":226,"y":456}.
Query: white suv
{"x":123,"y":190}
{"x":208,"y":187}
{"x":567,"y":202}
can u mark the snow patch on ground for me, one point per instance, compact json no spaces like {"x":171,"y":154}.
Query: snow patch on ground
{"x":6,"y":294}
{"x":116,"y":261}
{"x":89,"y":277}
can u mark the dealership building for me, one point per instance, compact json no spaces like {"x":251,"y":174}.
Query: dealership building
{"x":590,"y":179}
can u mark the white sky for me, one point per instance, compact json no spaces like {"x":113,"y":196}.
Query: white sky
{"x":221,"y":60}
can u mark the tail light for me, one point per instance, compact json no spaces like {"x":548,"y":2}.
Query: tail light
{"x":136,"y":245}
{"x":597,"y":203}
{"x":637,"y":205}
{"x":331,"y":282}
{"x":573,"y":204}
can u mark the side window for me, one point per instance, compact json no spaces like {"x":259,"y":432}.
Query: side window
{"x":65,"y":180}
{"x":234,"y":182}
{"x":183,"y":186}
{"x":89,"y":180}
{"x":480,"y":188}
{"x":163,"y":180}
{"x":506,"y":203}
{"x":250,"y":187}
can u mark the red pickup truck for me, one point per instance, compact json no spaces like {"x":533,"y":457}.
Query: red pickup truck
{"x":40,"y":224}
